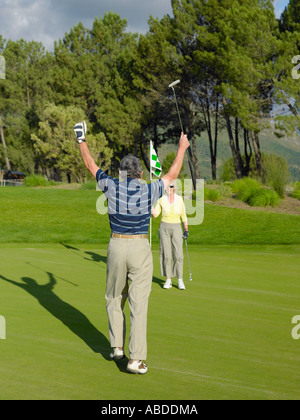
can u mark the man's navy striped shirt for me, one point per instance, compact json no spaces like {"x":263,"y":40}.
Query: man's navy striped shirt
{"x":129,"y":202}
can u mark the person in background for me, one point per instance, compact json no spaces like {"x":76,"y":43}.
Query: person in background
{"x":170,"y":235}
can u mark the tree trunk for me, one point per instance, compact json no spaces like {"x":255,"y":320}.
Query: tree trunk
{"x":4,"y":146}
{"x":236,"y":161}
{"x":212,"y":149}
{"x":238,"y":150}
{"x":237,"y":166}
{"x":213,"y":158}
{"x":256,"y":147}
{"x":213,"y":161}
{"x":248,"y":155}
{"x":48,"y":173}
{"x":145,"y":156}
{"x":214,"y":169}
{"x":195,"y":160}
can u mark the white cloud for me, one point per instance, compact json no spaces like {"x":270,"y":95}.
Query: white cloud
{"x":48,"y":20}
{"x":28,"y":19}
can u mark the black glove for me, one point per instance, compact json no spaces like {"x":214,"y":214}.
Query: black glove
{"x":186,"y":234}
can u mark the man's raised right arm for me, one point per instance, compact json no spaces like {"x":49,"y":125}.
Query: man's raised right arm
{"x":176,"y":166}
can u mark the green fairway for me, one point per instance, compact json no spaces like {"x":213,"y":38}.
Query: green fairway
{"x":61,"y":216}
{"x":227,"y":336}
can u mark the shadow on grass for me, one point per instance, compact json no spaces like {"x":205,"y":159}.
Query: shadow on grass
{"x":71,"y":317}
{"x":92,"y":255}
{"x":160,"y":282}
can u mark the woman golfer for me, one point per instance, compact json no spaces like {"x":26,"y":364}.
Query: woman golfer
{"x":170,"y":235}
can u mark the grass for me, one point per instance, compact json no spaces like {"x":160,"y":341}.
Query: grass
{"x":70,"y":216}
{"x":89,"y":185}
{"x":227,"y":336}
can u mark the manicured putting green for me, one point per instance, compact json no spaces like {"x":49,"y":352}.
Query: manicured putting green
{"x":227,"y":336}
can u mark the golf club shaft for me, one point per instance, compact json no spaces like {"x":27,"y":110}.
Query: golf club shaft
{"x":189,"y":149}
{"x":188,"y":259}
{"x":181,"y":126}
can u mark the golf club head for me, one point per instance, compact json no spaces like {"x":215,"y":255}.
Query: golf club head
{"x":174,"y":83}
{"x":191,"y":278}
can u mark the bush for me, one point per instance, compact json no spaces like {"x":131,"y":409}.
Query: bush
{"x":264,"y":197}
{"x":35,"y":181}
{"x":211,"y":194}
{"x":244,"y":188}
{"x":251,"y":192}
{"x":214,"y":194}
{"x":225,"y":190}
{"x":296,"y":192}
{"x":228,"y":170}
{"x":276,"y":173}
{"x":243,"y":183}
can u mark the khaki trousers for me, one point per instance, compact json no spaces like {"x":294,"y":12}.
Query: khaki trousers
{"x":171,"y":251}
{"x":129,"y":275}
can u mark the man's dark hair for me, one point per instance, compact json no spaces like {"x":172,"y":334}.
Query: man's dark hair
{"x":132,"y":166}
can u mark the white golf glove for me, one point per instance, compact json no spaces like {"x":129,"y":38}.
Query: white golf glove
{"x":80,"y":131}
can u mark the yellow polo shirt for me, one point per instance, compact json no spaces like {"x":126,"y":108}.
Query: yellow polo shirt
{"x":171,"y":213}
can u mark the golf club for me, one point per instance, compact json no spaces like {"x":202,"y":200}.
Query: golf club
{"x":181,"y":126}
{"x":188,"y":260}
{"x":172,"y":87}
{"x":67,"y":281}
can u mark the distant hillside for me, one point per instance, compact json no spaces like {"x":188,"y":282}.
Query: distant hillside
{"x":287,"y":147}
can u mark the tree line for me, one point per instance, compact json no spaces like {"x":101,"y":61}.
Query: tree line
{"x":234,"y":60}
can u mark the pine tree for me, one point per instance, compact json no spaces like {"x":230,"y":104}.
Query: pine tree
{"x":56,"y":147}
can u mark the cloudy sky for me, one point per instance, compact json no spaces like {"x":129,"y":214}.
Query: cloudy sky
{"x":48,"y":20}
